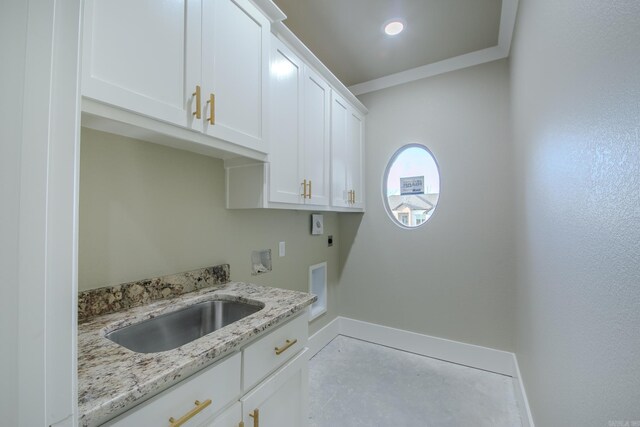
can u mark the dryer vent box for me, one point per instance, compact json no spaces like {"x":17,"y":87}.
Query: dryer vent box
{"x":318,"y":286}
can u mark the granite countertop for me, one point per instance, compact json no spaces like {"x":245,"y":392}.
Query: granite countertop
{"x":113,"y":379}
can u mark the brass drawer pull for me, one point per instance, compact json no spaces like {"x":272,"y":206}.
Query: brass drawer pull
{"x":256,"y":417}
{"x":304,"y":189}
{"x":309,"y":188}
{"x":286,"y":346}
{"x":212,"y":109}
{"x":197,"y":94}
{"x":192,"y":413}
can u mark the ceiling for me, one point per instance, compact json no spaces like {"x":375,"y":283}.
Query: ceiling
{"x":348,"y":37}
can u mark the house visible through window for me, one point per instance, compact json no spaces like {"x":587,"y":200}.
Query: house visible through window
{"x":411,"y":186}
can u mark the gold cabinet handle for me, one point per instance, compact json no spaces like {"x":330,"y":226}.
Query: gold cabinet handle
{"x":350,"y":198}
{"x":309,"y":188}
{"x":197,"y":94}
{"x":212,"y":109}
{"x":256,"y":418}
{"x":354,"y":196}
{"x":304,"y":189}
{"x":285,"y":347}
{"x":192,"y":413}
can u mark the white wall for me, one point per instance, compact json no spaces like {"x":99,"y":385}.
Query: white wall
{"x":13,"y":28}
{"x":454,"y":276}
{"x":576,"y":110}
{"x":148,"y":210}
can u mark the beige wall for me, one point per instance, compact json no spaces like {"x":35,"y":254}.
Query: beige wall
{"x":148,"y":210}
{"x":576,"y":110}
{"x":454,"y":276}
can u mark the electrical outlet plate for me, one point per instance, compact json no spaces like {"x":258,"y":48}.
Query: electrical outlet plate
{"x":317,"y":224}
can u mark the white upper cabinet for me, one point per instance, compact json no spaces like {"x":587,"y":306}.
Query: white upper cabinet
{"x":316,"y":138}
{"x":285,"y":127}
{"x":347,"y":143}
{"x":355,"y":153}
{"x":235,"y":61}
{"x":198,"y":64}
{"x":299,"y":129}
{"x":339,"y":115}
{"x":209,"y":76}
{"x":143,"y":56}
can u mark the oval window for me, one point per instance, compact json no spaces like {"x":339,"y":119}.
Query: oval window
{"x":411,"y":186}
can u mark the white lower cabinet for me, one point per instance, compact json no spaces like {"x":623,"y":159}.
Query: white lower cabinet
{"x":274,"y":391}
{"x":265,"y":355}
{"x":282,"y":399}
{"x":232,"y":417}
{"x":213,"y":388}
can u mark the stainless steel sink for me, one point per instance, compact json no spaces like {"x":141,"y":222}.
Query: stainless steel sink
{"x":174,"y":329}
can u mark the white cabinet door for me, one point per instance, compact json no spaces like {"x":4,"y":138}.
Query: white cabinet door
{"x":143,"y":56}
{"x":281,"y":400}
{"x":235,"y":60}
{"x":347,"y":143}
{"x":339,"y":151}
{"x":229,"y":418}
{"x":299,"y":131}
{"x":316,"y":138}
{"x":285,"y":126}
{"x":355,"y":181}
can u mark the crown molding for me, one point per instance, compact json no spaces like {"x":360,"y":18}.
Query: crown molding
{"x":500,"y":51}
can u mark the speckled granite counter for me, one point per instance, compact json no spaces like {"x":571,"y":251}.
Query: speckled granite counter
{"x":113,"y":379}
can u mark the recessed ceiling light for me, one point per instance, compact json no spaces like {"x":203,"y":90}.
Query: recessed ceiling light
{"x":394,"y":28}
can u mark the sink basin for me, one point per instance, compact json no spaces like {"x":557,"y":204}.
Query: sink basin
{"x":174,"y":329}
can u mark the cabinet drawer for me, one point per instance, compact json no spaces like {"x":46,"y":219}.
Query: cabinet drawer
{"x":231,"y":417}
{"x":273,"y":350}
{"x":220,"y":383}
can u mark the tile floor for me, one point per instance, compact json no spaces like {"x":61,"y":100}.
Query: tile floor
{"x":357,"y":383}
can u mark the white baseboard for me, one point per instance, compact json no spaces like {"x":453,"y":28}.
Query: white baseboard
{"x":521,"y":396}
{"x":488,"y":359}
{"x":323,"y":337}
{"x":475,"y":356}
